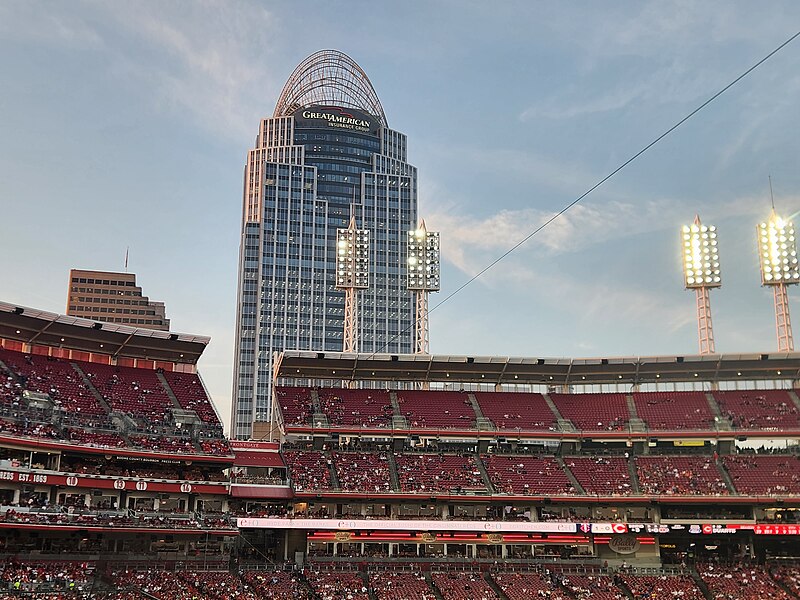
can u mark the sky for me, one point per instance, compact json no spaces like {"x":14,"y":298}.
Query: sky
{"x":126,"y":125}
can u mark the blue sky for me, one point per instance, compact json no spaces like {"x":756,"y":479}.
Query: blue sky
{"x":127,"y":124}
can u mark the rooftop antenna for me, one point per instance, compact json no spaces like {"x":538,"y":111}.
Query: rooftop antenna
{"x":771,"y":197}
{"x":127,"y":249}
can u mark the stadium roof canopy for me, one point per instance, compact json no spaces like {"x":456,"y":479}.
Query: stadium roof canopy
{"x":329,"y":77}
{"x":32,"y":326}
{"x":537,"y":371}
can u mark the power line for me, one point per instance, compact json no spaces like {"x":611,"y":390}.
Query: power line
{"x":601,"y":182}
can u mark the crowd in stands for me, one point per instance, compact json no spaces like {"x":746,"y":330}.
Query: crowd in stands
{"x":362,"y":471}
{"x":758,"y":409}
{"x":600,"y":475}
{"x":26,"y":428}
{"x":338,"y":585}
{"x":308,"y":470}
{"x":360,"y":408}
{"x":45,"y":576}
{"x":459,"y":585}
{"x":677,"y":587}
{"x":387,"y":585}
{"x":179,"y":445}
{"x":100,"y":519}
{"x":526,"y":475}
{"x":276,"y":585}
{"x":296,"y":405}
{"x":85,"y":437}
{"x":526,"y":585}
{"x":438,"y":473}
{"x":592,"y":587}
{"x":770,"y":475}
{"x":741,"y":582}
{"x":680,"y":475}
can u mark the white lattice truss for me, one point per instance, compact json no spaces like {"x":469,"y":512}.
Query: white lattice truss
{"x":329,"y":77}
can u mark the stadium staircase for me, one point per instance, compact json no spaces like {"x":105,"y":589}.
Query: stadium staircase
{"x":701,"y":585}
{"x":173,"y":398}
{"x":564,"y":425}
{"x":726,"y":477}
{"x":634,"y":422}
{"x":795,"y":398}
{"x":4,"y":367}
{"x":88,"y":383}
{"x":484,"y":474}
{"x":634,"y":477}
{"x":625,"y":590}
{"x":481,"y":422}
{"x":332,"y":468}
{"x":393,"y":476}
{"x":398,"y":420}
{"x":493,"y":584}
{"x":315,"y":403}
{"x":570,"y":476}
{"x":436,"y":592}
{"x":723,"y":423}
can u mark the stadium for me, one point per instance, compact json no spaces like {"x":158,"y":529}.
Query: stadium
{"x":393,"y":476}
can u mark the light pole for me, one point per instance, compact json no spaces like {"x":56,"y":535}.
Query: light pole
{"x":423,"y":267}
{"x":777,"y":251}
{"x":352,"y":274}
{"x":701,"y":273}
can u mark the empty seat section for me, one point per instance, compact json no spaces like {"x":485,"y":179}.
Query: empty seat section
{"x":527,"y":475}
{"x":191,"y":395}
{"x":743,"y":582}
{"x":359,"y":408}
{"x":308,"y":470}
{"x":56,"y":378}
{"x":601,"y":475}
{"x":437,"y":473}
{"x":362,"y":472}
{"x":135,"y":391}
{"x":679,"y":475}
{"x":758,"y":409}
{"x":510,"y":410}
{"x":764,"y":475}
{"x":662,"y":587}
{"x":456,"y":585}
{"x":674,"y":410}
{"x":436,"y":410}
{"x":593,"y":412}
{"x":296,"y":405}
{"x":400,"y":586}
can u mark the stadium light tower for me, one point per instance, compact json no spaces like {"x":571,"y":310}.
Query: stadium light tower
{"x":423,"y":278}
{"x":352,"y":274}
{"x":701,"y":273}
{"x":777,"y":251}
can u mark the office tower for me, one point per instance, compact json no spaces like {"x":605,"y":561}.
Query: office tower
{"x":113,"y":298}
{"x":325,"y":156}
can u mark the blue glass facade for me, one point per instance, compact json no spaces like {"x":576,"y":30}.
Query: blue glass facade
{"x":303,"y":181}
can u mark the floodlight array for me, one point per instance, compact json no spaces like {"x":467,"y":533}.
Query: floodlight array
{"x":777,"y":250}
{"x":352,"y":258}
{"x":423,"y":260}
{"x":700,"y":256}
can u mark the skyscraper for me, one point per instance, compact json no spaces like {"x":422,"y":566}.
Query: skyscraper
{"x":113,"y":298}
{"x":327,"y":154}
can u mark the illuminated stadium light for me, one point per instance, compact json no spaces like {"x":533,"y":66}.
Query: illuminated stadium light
{"x":701,"y":273}
{"x":423,"y":269}
{"x":777,"y":253}
{"x":352,"y":274}
{"x":700,"y":256}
